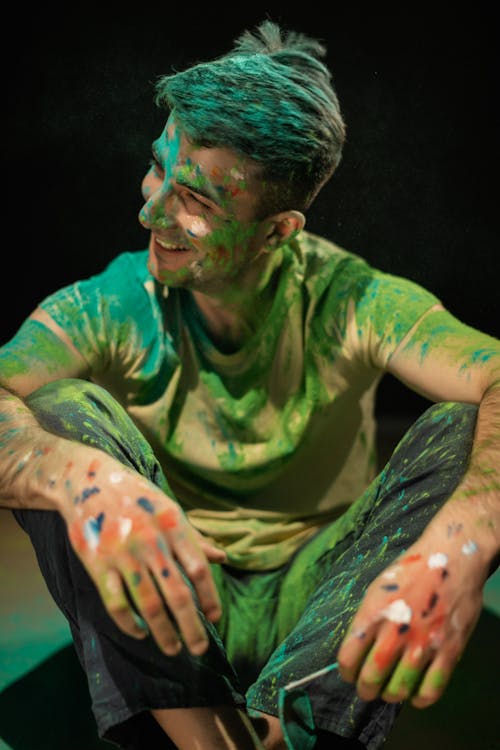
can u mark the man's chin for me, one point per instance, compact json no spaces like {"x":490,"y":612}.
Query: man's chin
{"x":183,"y":277}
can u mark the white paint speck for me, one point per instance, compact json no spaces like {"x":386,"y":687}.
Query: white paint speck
{"x":116,"y":477}
{"x":455,"y":621}
{"x":199,"y":227}
{"x":237,"y":174}
{"x":91,"y":534}
{"x":469,"y":547}
{"x":196,"y":268}
{"x":397,"y":611}
{"x":392,"y":573}
{"x":124,"y":526}
{"x":357,"y":633}
{"x":24,"y":460}
{"x":438,"y":560}
{"x":113,"y":582}
{"x":416,"y":654}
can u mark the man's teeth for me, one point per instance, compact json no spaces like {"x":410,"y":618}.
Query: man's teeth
{"x":168,"y":245}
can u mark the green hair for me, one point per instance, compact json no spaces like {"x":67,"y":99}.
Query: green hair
{"x":271,"y":99}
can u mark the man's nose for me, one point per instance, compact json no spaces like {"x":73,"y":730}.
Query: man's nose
{"x":158,"y":209}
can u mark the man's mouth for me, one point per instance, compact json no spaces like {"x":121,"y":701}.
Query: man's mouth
{"x":170,"y":246}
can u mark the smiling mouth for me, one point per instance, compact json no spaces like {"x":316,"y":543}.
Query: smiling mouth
{"x":170,"y":247}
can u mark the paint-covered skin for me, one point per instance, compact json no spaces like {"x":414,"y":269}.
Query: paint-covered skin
{"x":129,"y":534}
{"x":201,"y":207}
{"x":404,"y":642}
{"x":417,"y":615}
{"x":415,"y":619}
{"x":198,"y":199}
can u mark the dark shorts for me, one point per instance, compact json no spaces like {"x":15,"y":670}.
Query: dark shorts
{"x":277,"y":626}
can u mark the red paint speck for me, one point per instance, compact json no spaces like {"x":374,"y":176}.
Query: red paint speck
{"x":93,"y":466}
{"x":77,"y":537}
{"x":109,"y":535}
{"x":385,"y":653}
{"x":410,"y":559}
{"x":167,"y":520}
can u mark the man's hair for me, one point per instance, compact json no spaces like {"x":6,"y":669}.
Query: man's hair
{"x":271,"y":99}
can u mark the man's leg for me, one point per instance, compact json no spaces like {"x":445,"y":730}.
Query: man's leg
{"x":214,"y":728}
{"x":127,"y":677}
{"x":327,"y":578}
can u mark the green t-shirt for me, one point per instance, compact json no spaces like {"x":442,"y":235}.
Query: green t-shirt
{"x":264,"y":445}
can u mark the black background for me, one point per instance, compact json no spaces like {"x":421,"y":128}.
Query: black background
{"x":415,"y":193}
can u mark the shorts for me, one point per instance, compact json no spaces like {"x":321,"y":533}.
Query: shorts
{"x":277,"y":626}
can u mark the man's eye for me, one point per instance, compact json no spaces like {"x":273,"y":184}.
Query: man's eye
{"x":198,"y":201}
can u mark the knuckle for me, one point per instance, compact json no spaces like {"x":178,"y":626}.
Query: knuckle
{"x":152,"y":609}
{"x":346,"y":662}
{"x":369,"y":683}
{"x":180,"y":598}
{"x":118,"y":610}
{"x":198,"y":571}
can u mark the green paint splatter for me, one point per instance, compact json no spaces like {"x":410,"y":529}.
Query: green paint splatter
{"x":404,"y":680}
{"x":438,"y":679}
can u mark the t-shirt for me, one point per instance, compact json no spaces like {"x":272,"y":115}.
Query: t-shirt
{"x":264,"y":445}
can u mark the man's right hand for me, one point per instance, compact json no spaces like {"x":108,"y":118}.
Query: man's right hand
{"x":130,"y":536}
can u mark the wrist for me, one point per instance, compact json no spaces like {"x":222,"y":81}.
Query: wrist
{"x":60,"y":474}
{"x":468,"y":534}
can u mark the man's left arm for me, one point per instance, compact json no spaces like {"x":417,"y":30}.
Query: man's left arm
{"x":443,"y":360}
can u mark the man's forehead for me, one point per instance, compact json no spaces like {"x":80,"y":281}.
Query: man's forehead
{"x":218,"y":163}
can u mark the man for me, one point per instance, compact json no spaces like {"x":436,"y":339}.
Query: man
{"x":188,"y":439}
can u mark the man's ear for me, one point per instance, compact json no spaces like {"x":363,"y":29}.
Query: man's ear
{"x":281,"y":227}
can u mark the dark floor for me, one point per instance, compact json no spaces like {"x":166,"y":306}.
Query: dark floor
{"x":44,"y":703}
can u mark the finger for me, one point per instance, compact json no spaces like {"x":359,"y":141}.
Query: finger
{"x":150,"y":605}
{"x":184,"y":541}
{"x":380,"y":662}
{"x":354,"y":648}
{"x":408,"y":675}
{"x":178,"y":596}
{"x":439,"y":672}
{"x":197,"y":569}
{"x":179,"y":599}
{"x":111,"y":589}
{"x":434,"y":682}
{"x":213,"y":553}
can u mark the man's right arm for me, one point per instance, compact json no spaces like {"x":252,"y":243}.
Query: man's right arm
{"x":30,"y":457}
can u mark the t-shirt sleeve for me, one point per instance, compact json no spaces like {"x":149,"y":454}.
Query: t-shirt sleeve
{"x":375,"y":312}
{"x":96,"y":313}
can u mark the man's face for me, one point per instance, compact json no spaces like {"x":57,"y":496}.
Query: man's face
{"x":200,"y":209}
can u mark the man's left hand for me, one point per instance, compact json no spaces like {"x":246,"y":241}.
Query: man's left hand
{"x":414,"y":622}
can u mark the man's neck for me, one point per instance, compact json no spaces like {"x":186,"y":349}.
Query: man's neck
{"x":233,"y":314}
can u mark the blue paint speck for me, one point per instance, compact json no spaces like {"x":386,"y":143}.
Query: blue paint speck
{"x":146,"y":504}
